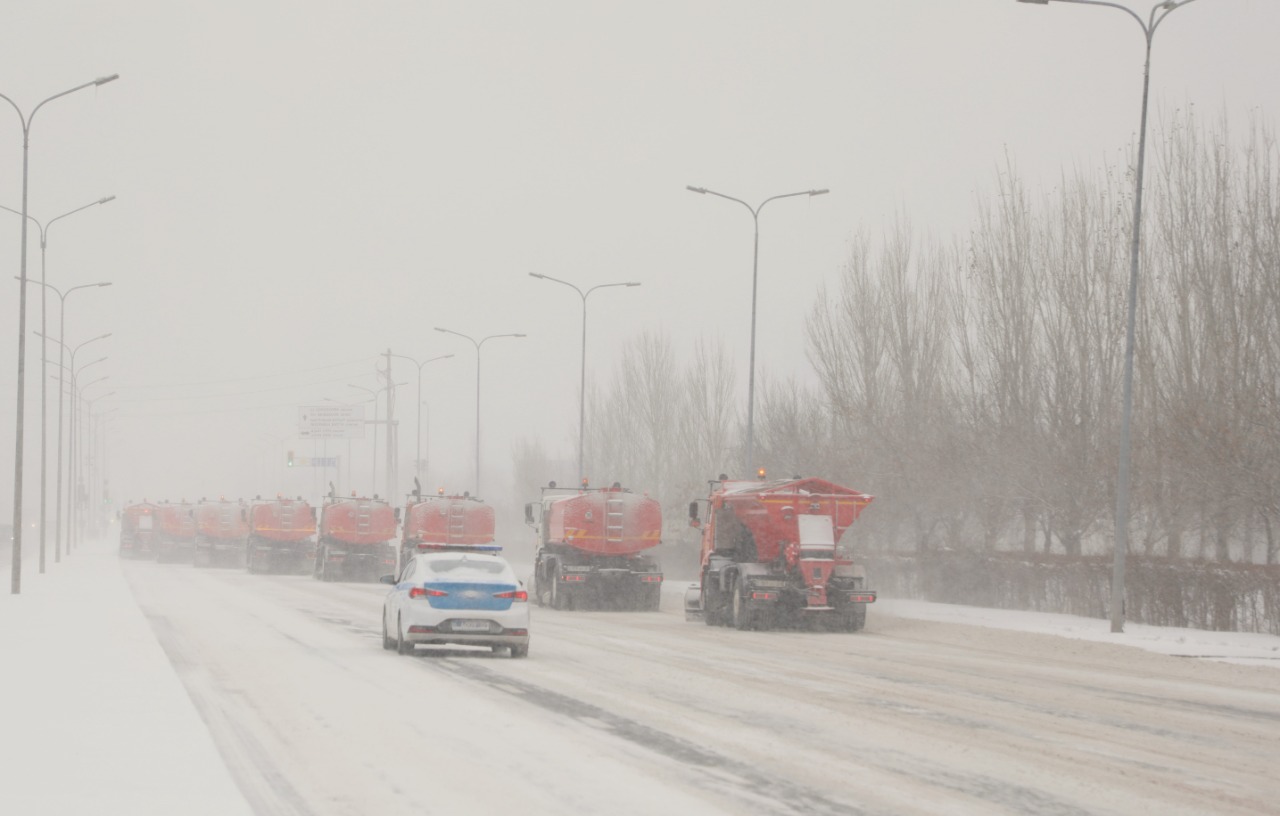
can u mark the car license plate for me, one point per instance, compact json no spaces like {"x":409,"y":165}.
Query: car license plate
{"x":471,"y":626}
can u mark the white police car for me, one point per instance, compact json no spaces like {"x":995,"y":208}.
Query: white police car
{"x":457,"y":598}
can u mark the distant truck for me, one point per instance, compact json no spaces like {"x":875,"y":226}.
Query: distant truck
{"x":139,"y":530}
{"x":591,"y":548}
{"x":770,"y":556}
{"x":280,"y":535}
{"x":355,"y":540}
{"x":177,"y":539}
{"x":440,"y":522}
{"x":220,"y":533}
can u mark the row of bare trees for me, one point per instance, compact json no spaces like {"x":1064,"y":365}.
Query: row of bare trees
{"x":974,"y":385}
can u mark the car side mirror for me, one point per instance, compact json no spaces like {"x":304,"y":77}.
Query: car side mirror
{"x":387,"y":579}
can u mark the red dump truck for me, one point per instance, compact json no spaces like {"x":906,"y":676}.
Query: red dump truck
{"x":590,"y":548}
{"x":355,"y":541}
{"x":177,"y":539}
{"x":771,"y":556}
{"x":443,"y":522}
{"x":220,"y":533}
{"x":280,"y":537}
{"x":139,"y":530}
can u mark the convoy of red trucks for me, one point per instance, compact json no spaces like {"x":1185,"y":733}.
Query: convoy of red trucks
{"x":771,"y":552}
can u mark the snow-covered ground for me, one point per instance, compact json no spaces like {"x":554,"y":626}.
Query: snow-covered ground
{"x":94,"y":716}
{"x":1229,"y":647}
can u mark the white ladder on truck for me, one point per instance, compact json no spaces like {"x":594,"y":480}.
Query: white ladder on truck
{"x":363,"y":513}
{"x":613,"y":512}
{"x":457,"y":522}
{"x":286,"y":517}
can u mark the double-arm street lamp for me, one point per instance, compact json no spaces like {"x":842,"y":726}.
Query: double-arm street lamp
{"x":1149,"y":26}
{"x":417,"y":460}
{"x":477,"y":344}
{"x":755,"y":265}
{"x":62,"y":348}
{"x":582,"y":380}
{"x":44,"y":354}
{"x":16,"y":574}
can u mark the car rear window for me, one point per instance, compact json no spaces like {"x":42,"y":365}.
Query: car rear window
{"x":459,"y":567}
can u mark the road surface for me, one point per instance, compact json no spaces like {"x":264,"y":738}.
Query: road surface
{"x":641,"y":713}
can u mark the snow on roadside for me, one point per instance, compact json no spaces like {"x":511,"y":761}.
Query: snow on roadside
{"x":94,"y":719}
{"x":1229,"y":647}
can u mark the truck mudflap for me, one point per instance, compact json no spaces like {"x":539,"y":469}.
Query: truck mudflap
{"x":608,"y":587}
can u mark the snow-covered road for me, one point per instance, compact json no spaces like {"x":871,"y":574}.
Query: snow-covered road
{"x":645,"y":713}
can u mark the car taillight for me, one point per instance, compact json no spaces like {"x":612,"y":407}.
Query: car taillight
{"x":515,"y":595}
{"x":424,"y":592}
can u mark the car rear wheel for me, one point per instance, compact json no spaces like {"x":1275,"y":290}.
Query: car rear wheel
{"x":403,"y":646}
{"x":387,"y":642}
{"x":520,"y":651}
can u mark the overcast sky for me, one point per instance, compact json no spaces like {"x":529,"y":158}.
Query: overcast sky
{"x":302,"y":185}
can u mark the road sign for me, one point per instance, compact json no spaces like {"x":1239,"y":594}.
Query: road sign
{"x":316,"y":461}
{"x":331,"y":421}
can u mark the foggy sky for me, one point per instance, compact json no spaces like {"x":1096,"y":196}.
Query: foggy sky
{"x":302,"y":185}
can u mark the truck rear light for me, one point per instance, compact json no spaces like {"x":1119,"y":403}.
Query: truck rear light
{"x":426,"y":592}
{"x":651,"y":579}
{"x":764,"y":596}
{"x":862,"y":598}
{"x":575,"y":577}
{"x":515,"y":595}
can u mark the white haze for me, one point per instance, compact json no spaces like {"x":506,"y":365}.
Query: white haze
{"x":302,"y":185}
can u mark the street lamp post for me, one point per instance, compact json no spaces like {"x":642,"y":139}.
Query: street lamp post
{"x":16,"y":569}
{"x":44,"y":351}
{"x":477,"y":344}
{"x":418,"y":469}
{"x":1122,"y":478}
{"x":582,"y":379}
{"x":62,"y":349}
{"x":755,"y":265}
{"x":90,"y":465}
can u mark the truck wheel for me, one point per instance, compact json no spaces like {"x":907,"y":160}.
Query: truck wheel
{"x":557,"y":595}
{"x":854,"y":619}
{"x":741,"y":615}
{"x":711,"y":609}
{"x":652,"y":599}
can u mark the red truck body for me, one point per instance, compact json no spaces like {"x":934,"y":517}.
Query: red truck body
{"x":220,"y":533}
{"x":280,"y":536}
{"x":355,"y":539}
{"x":139,"y":530}
{"x":591,"y":546}
{"x":446,"y":523}
{"x":770,"y":555}
{"x":177,"y":538}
